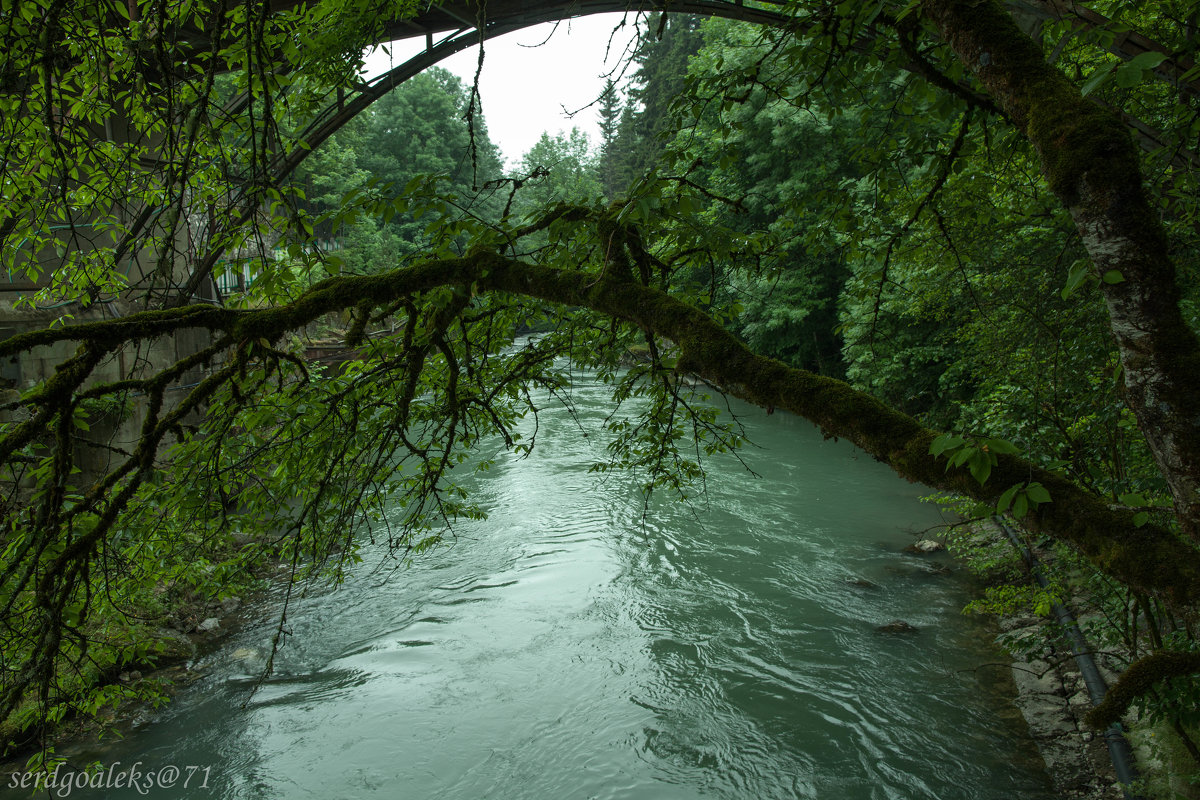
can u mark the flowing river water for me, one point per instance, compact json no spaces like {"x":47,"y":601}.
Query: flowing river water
{"x":568,"y":648}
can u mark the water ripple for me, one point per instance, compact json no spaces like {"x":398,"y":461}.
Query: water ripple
{"x":580,"y":646}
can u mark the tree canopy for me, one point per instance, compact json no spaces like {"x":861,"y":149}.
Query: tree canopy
{"x":1004,"y":169}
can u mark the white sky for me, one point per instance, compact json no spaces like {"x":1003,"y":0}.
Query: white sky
{"x":531,"y":75}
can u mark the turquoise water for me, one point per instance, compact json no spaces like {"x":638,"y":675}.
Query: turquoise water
{"x":572,"y":647}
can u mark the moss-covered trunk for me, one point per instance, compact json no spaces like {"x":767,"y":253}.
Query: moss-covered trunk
{"x":1092,"y":165}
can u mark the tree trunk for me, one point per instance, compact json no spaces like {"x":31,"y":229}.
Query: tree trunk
{"x":1091,"y":164}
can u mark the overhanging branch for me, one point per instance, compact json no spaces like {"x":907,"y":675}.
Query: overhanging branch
{"x":1149,"y":558}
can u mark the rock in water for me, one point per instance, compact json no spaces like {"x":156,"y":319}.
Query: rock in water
{"x":897,"y":626}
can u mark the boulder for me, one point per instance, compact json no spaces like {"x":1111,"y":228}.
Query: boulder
{"x":173,"y":645}
{"x":897,"y":626}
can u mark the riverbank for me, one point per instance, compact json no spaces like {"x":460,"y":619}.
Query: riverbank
{"x":1052,"y":698}
{"x":1051,"y":691}
{"x":188,"y":627}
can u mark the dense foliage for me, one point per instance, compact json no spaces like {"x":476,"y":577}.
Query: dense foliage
{"x":417,"y":130}
{"x":939,"y":202}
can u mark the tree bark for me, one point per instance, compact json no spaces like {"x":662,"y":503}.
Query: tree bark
{"x":1091,"y":164}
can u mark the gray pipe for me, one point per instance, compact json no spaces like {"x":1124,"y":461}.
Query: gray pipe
{"x":1118,"y":746}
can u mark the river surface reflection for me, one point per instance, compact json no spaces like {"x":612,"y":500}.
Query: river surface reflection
{"x":570,"y":647}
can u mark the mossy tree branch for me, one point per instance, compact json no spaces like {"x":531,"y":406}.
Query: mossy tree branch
{"x":1138,"y":680}
{"x":1148,"y":558}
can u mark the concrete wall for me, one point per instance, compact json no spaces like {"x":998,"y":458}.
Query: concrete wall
{"x":142,"y":360}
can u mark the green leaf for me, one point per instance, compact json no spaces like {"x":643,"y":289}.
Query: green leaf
{"x":1077,"y":274}
{"x":1114,"y":276}
{"x":1020,"y":506}
{"x":72,"y":615}
{"x":1098,"y":79}
{"x":1006,"y":499}
{"x":908,"y":9}
{"x":1148,"y":60}
{"x":1129,"y":76}
{"x":1038,"y":493}
{"x":960,"y":457}
{"x":981,"y":467}
{"x":1002,"y":447}
{"x":947,"y":441}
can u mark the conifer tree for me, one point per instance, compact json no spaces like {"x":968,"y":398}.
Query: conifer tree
{"x":662,"y":58}
{"x":610,"y":118}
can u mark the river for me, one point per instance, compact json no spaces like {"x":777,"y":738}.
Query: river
{"x":568,"y":648}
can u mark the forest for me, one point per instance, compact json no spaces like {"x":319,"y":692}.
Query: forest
{"x":960,"y":234}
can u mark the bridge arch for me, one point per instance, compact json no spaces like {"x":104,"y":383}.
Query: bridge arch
{"x":462,"y":25}
{"x":461,"y":34}
{"x":461,"y":28}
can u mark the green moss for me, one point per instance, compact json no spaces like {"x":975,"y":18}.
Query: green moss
{"x":1076,"y":139}
{"x":1073,"y":136}
{"x":1138,"y":680}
